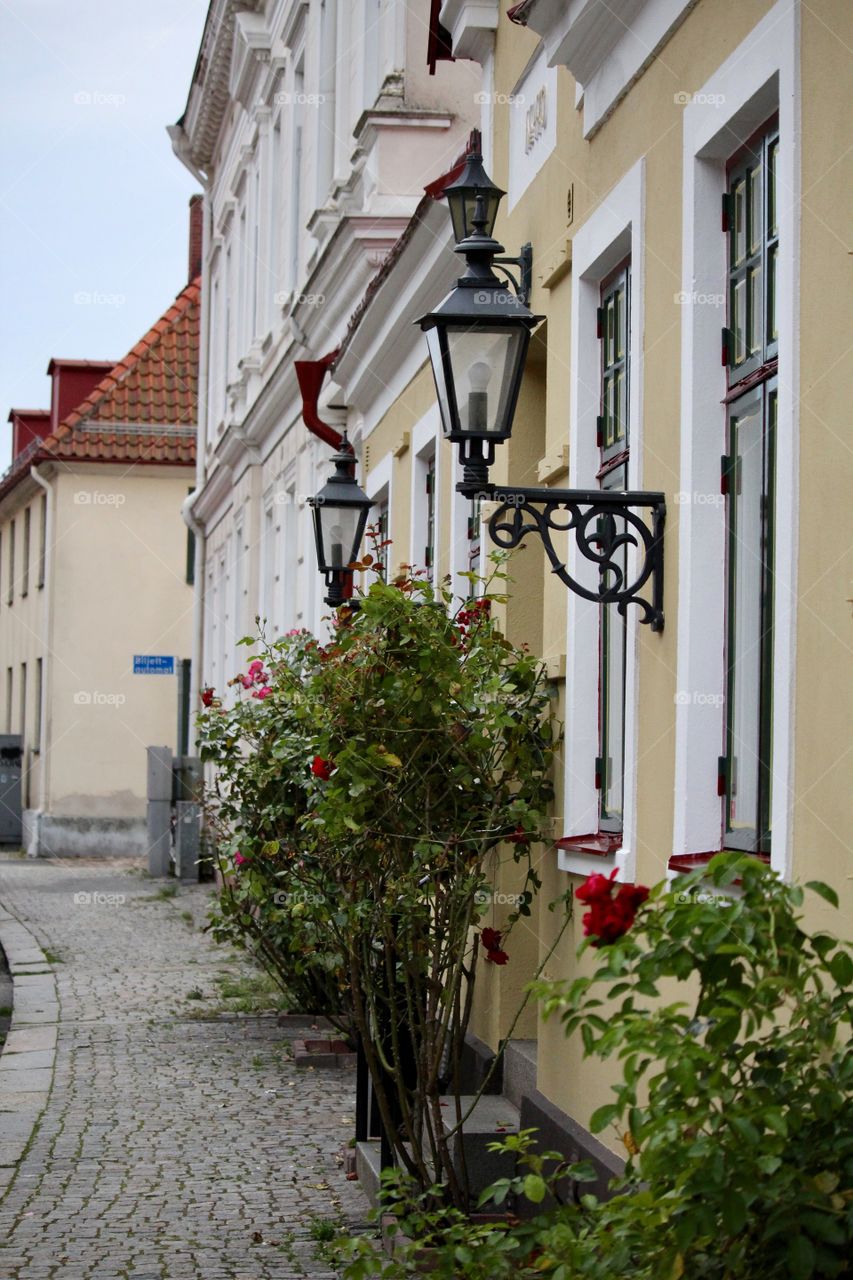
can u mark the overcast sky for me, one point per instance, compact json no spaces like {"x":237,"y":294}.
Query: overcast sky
{"x":93,"y":203}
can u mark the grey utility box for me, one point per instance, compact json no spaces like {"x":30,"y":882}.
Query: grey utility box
{"x":11,"y":763}
{"x":159,"y":810}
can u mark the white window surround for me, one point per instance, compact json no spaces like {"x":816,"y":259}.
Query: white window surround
{"x":759,"y":77}
{"x":612,"y":233}
{"x":460,"y":508}
{"x":424,"y":446}
{"x":378,"y":487}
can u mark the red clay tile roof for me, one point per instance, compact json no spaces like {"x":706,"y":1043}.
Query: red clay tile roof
{"x":155,"y":385}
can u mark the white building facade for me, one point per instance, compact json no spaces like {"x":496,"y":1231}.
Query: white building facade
{"x":310,"y":125}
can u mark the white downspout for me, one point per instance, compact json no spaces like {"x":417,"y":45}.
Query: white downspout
{"x":34,"y":847}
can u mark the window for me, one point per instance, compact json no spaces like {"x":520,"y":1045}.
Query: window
{"x":751,"y":218}
{"x":10,"y":590}
{"x":430,"y":549}
{"x":613,"y":333}
{"x":612,"y":431}
{"x":474,"y":536}
{"x":750,"y":345}
{"x":25,"y":570}
{"x":39,"y":705}
{"x":381,"y":543}
{"x":23,"y":697}
{"x":42,"y":540}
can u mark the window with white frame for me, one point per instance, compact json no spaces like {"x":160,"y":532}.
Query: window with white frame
{"x":605,"y":414}
{"x":269,"y":564}
{"x":751,"y":346}
{"x":613,"y":329}
{"x":737,"y":557}
{"x":426,"y":522}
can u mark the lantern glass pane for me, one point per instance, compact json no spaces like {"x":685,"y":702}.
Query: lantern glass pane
{"x":439,"y":371}
{"x":340,"y":531}
{"x":484,"y":367}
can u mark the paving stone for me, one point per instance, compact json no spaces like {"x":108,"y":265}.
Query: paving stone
{"x":171,"y":1135}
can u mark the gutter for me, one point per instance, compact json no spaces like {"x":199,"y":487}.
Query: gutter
{"x":34,"y":849}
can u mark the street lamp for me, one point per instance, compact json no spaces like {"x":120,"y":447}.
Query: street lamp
{"x":462,"y":197}
{"x":340,"y":512}
{"x":477,"y":340}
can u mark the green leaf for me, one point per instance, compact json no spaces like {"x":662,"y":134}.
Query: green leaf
{"x":534,"y":1188}
{"x":734,"y":1213}
{"x":801,"y":1258}
{"x":841,"y":968}
{"x":602,"y":1117}
{"x":826,"y":891}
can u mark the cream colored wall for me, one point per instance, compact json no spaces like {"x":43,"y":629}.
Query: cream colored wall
{"x":22,"y":641}
{"x":119,"y":575}
{"x":823,"y":762}
{"x":648,"y":124}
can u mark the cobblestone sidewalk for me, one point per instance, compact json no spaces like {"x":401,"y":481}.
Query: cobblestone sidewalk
{"x":176,"y":1144}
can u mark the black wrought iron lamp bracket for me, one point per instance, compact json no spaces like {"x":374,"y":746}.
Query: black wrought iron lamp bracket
{"x":604,"y":524}
{"x":524,"y":262}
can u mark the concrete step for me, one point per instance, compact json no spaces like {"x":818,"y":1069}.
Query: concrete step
{"x":493,"y":1119}
{"x":519,"y":1079}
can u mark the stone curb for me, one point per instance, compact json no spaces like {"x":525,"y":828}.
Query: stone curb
{"x":28,"y":1056}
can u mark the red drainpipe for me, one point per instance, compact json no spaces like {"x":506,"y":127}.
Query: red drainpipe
{"x":310,"y":375}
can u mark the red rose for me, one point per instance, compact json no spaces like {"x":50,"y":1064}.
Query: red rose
{"x":491,"y":939}
{"x":207,"y":696}
{"x":322,"y":768}
{"x":596,"y":887}
{"x":497,"y":956}
{"x":519,"y":836}
{"x":609,"y":918}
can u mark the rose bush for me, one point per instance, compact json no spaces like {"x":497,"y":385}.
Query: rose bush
{"x":375,"y":790}
{"x":733,"y":1106}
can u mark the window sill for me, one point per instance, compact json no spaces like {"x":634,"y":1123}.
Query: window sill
{"x":681,"y":864}
{"x":599,"y":845}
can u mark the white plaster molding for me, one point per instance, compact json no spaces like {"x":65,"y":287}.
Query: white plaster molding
{"x":605,"y":51}
{"x":472,"y":25}
{"x":610,"y":233}
{"x":759,"y":76}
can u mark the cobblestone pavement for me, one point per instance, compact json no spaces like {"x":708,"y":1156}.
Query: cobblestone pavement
{"x":177,"y":1143}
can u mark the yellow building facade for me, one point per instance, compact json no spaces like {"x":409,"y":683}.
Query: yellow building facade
{"x":683,"y":177}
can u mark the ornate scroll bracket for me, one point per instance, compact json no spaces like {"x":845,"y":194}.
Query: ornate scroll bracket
{"x":605,"y":526}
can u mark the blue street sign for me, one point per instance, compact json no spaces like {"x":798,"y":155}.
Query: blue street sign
{"x":153,"y":664}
